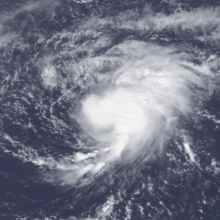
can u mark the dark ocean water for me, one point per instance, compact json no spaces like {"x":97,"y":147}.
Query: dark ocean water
{"x":54,"y":53}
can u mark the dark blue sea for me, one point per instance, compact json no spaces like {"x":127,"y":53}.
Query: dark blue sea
{"x":54,"y":54}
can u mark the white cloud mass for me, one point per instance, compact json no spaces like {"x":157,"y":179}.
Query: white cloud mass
{"x":131,"y":114}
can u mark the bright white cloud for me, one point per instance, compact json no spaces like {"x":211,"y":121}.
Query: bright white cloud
{"x":131,"y":113}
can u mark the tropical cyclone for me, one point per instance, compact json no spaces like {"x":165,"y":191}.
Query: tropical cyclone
{"x":130,"y":116}
{"x":134,"y":89}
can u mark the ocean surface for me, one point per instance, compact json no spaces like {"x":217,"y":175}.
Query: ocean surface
{"x":110,"y":110}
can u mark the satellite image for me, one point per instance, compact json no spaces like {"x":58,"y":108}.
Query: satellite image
{"x":109,"y":110}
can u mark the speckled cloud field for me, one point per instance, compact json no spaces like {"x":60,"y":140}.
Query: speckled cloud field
{"x":133,"y":111}
{"x":112,"y":113}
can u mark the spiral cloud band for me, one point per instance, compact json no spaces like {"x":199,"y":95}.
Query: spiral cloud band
{"x":130,"y":115}
{"x":134,"y":80}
